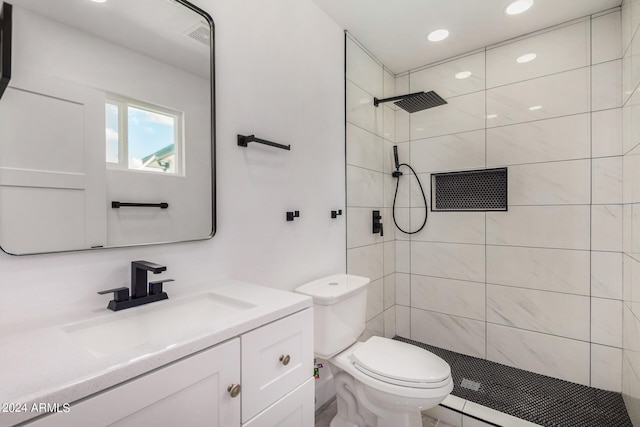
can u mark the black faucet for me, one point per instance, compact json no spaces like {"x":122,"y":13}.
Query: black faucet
{"x":139,"y":277}
{"x":142,"y":292}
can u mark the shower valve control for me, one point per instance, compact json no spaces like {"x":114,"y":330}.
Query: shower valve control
{"x":377,"y":223}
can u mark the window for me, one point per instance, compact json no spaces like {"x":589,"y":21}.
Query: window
{"x":143,"y":137}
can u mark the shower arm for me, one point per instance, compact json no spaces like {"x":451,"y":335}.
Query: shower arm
{"x":377,"y":101}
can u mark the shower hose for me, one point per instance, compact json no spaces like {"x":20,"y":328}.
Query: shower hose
{"x":426,"y":210}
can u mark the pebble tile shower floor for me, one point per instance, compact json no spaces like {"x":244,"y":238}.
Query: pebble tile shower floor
{"x":533,"y":397}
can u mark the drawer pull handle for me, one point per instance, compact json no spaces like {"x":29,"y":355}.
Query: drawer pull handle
{"x":285,"y":359}
{"x":234,"y":390}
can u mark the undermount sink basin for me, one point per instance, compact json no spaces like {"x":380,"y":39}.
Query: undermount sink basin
{"x":158,"y":323}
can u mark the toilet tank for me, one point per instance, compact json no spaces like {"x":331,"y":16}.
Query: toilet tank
{"x":339,"y":311}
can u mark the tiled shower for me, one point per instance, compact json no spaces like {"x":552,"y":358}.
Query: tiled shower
{"x":547,"y":286}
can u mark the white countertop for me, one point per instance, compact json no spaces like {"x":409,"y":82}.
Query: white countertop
{"x":43,"y":364}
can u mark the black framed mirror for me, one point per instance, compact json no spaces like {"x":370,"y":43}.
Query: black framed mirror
{"x":107,"y":126}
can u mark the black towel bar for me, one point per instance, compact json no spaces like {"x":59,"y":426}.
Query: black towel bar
{"x":243,"y":141}
{"x":118,"y":205}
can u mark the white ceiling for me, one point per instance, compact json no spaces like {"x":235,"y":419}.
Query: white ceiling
{"x":395,"y":31}
{"x":154,"y":28}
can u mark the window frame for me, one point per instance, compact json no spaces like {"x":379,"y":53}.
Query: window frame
{"x":123,"y":104}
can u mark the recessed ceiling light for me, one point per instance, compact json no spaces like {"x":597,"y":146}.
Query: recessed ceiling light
{"x":526,"y":58}
{"x":99,"y":1}
{"x":438,"y":35}
{"x":535,"y":107}
{"x":463,"y":75}
{"x":519,"y":6}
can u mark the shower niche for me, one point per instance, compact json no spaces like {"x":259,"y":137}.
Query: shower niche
{"x":469,"y":191}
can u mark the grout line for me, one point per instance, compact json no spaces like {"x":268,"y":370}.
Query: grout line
{"x":591,"y":194}
{"x":486,"y":287}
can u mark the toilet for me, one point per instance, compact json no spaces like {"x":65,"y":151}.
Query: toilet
{"x":379,"y":382}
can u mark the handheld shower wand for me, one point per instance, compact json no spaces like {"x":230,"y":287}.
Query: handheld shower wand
{"x":397,"y":173}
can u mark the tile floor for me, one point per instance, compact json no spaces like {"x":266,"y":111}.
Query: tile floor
{"x":539,"y":399}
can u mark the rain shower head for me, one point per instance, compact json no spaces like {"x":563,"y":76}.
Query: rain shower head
{"x":414,"y":102}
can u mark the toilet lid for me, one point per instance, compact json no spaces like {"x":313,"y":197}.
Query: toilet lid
{"x":400,"y":363}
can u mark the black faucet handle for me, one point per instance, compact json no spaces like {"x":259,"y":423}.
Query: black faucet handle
{"x":155,"y":287}
{"x":119,"y":294}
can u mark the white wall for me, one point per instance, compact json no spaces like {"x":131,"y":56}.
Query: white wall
{"x":279,"y":74}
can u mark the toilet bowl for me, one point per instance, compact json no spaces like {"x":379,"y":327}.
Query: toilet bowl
{"x":379,"y":382}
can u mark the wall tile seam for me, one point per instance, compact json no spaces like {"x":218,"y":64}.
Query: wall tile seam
{"x":608,"y":156}
{"x":368,"y":169}
{"x":479,"y":282}
{"x":546,"y":333}
{"x":626,"y":97}
{"x":372,"y":208}
{"x":543,"y":76}
{"x":540,"y":32}
{"x":608,"y":61}
{"x":490,"y":244}
{"x":365,"y":246}
{"x":357,"y":85}
{"x":380,"y":243}
{"x":424,"y":140}
{"x":628,"y":305}
{"x":606,"y":12}
{"x":356,"y":125}
{"x":633,"y":35}
{"x":565,"y":160}
{"x":447,"y":243}
{"x":628,"y":152}
{"x":546,"y":118}
{"x":510,"y":124}
{"x":412,"y":307}
{"x":516,"y":286}
{"x":440,"y":62}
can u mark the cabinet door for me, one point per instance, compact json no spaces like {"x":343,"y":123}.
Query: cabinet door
{"x":265,"y":377}
{"x":190,"y":392}
{"x":296,"y":409}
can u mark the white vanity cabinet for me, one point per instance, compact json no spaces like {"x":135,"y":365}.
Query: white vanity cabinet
{"x":273,"y":364}
{"x":277,"y":368}
{"x":189,"y":392}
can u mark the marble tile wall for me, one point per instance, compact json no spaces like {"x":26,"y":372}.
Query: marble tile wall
{"x":630,"y":208}
{"x":539,"y":287}
{"x":370,"y":132}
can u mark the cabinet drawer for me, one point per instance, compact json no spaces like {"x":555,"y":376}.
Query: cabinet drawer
{"x":265,"y":377}
{"x":296,"y":409}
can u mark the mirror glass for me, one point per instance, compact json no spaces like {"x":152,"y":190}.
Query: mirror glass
{"x":107,"y":126}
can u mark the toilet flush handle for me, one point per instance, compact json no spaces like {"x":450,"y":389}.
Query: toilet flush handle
{"x":285,"y":359}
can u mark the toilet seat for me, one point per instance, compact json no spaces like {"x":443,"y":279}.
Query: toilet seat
{"x":401,"y":364}
{"x":386,"y":382}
